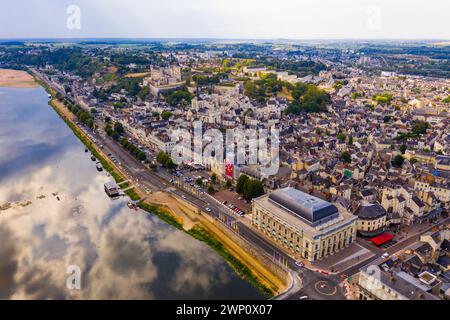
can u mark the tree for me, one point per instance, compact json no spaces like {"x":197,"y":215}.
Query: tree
{"x":398,"y":161}
{"x":115,"y":135}
{"x":199,"y":182}
{"x":179,"y":96}
{"x":241,"y":183}
{"x":350,"y":140}
{"x":253,"y":189}
{"x":228,"y":183}
{"x":170,"y":164}
{"x":162,"y":158}
{"x":141,"y":156}
{"x":211,"y":189}
{"x":118,"y":128}
{"x":346,"y":157}
{"x":143,"y":93}
{"x":341,"y":136}
{"x":214,"y":178}
{"x":403,"y":148}
{"x":165,"y":115}
{"x":385,"y":98}
{"x":420,"y":127}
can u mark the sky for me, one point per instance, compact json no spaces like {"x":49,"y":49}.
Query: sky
{"x":228,"y":19}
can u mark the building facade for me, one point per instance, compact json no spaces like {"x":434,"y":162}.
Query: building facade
{"x":307,"y":226}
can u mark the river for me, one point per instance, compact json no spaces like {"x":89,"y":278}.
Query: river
{"x":55,"y":215}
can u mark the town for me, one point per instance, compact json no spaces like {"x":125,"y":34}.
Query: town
{"x":363,"y":176}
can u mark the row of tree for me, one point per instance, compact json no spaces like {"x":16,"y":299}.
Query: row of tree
{"x":115,"y":131}
{"x":165,"y":160}
{"x":83,"y":116}
{"x":138,"y":153}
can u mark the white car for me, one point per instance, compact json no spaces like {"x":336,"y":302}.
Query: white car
{"x":183,"y":196}
{"x":299,"y":264}
{"x":208,"y":209}
{"x":303,"y":298}
{"x":385,"y":255}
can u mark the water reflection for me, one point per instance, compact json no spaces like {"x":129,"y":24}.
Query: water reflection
{"x":123,"y":254}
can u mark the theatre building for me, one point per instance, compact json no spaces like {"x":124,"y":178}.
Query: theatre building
{"x":309,"y":227}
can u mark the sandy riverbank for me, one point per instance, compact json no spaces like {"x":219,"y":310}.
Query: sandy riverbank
{"x":190,"y":217}
{"x":16,"y":79}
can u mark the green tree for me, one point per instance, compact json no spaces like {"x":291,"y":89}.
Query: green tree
{"x":169,"y":164}
{"x":398,"y":161}
{"x":253,"y":189}
{"x":165,"y":115}
{"x":241,"y":183}
{"x":420,"y":127}
{"x":162,"y":158}
{"x":118,"y":128}
{"x":403,"y":148}
{"x":115,"y":135}
{"x":350,"y":140}
{"x":341,"y":136}
{"x":346,"y":157}
{"x":214,"y":178}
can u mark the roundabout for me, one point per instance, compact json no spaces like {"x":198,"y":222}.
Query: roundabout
{"x":326,"y":288}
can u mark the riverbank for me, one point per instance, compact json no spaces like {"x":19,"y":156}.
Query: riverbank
{"x":16,"y":79}
{"x":199,"y":226}
{"x":243,"y":263}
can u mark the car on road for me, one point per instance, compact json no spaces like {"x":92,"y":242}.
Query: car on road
{"x":303,"y":298}
{"x":208,"y":209}
{"x":183,"y":196}
{"x":299,"y":264}
{"x":385,"y":255}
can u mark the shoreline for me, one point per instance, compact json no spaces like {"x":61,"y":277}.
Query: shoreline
{"x":242,"y":267}
{"x":10,"y":78}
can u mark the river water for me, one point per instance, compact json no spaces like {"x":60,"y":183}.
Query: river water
{"x":54,"y":214}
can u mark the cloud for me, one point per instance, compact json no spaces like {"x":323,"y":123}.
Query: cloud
{"x":296,"y":19}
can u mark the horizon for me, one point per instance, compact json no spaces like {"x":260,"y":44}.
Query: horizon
{"x":228,"y":20}
{"x":227,"y":39}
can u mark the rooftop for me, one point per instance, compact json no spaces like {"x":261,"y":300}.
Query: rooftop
{"x":289,"y":206}
{"x":303,"y":205}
